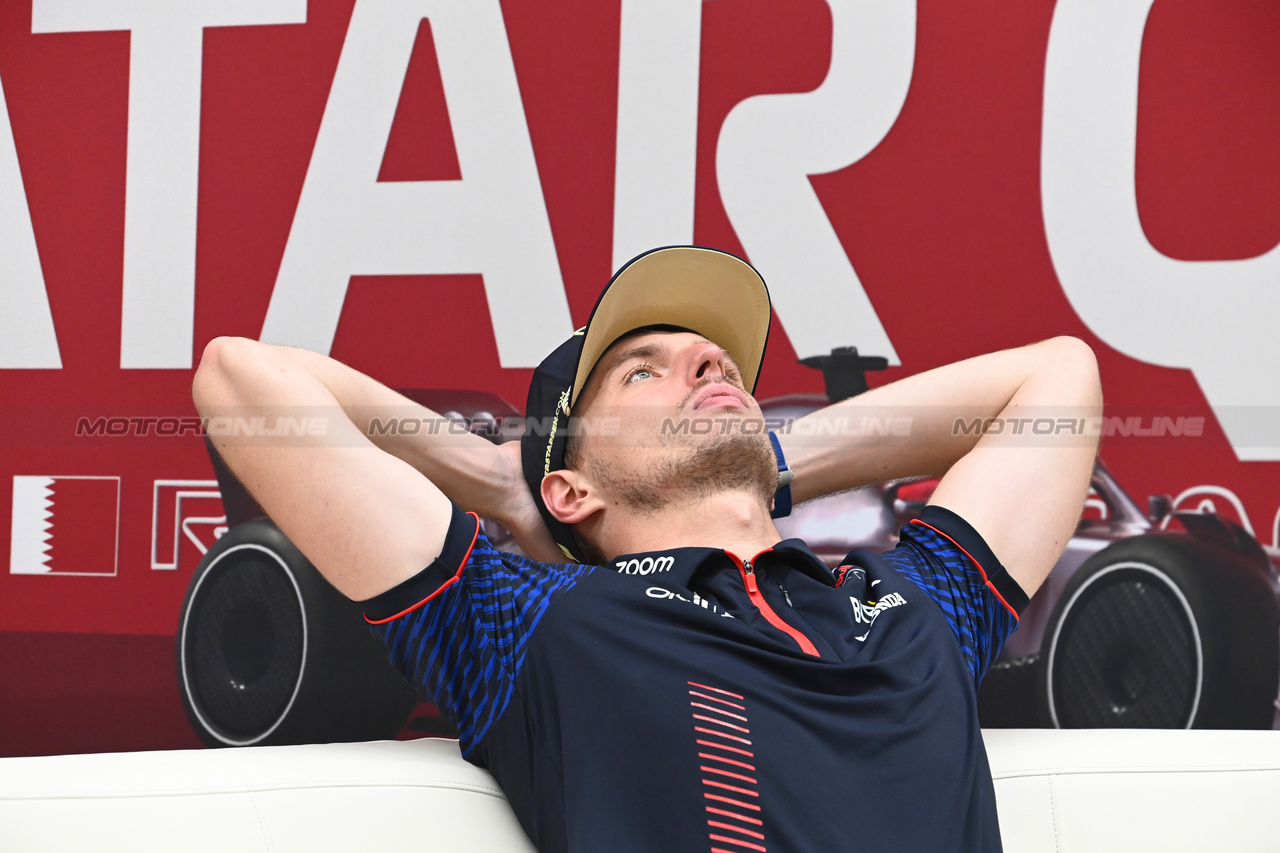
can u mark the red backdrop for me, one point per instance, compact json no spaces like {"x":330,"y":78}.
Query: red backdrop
{"x":942,"y":221}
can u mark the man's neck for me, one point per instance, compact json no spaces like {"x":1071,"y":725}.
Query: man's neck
{"x":734,"y":521}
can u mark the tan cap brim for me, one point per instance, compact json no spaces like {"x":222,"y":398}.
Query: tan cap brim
{"x":707,"y":291}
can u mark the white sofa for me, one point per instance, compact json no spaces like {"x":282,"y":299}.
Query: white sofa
{"x":1058,"y":792}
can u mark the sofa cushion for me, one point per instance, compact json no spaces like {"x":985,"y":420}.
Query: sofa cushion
{"x":1114,"y":790}
{"x":1099,"y":791}
{"x":282,"y":798}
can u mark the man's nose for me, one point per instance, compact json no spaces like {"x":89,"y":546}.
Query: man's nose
{"x":706,"y":362}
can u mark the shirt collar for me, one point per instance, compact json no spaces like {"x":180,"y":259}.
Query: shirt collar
{"x":679,"y":565}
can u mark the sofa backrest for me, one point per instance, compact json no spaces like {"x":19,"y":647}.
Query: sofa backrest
{"x":1058,"y":792}
{"x":282,"y":799}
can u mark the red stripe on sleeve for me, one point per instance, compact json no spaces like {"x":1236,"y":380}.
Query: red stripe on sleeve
{"x":981,"y":570}
{"x":450,"y":582}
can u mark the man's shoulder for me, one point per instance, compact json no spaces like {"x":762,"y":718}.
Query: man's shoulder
{"x":958,"y":548}
{"x":466,"y":553}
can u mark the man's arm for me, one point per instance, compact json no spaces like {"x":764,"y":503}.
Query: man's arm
{"x":366,"y":518}
{"x":1023,"y":493}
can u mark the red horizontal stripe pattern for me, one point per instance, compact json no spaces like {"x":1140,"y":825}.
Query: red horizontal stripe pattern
{"x":718,"y":711}
{"x":714,"y":810}
{"x":715,"y":690}
{"x":732,"y":800}
{"x":706,"y":769}
{"x":706,"y":719}
{"x":711,"y":757}
{"x":727,"y":840}
{"x":721,"y":701}
{"x":724,"y":746}
{"x":718,"y":825}
{"x":721,"y":734}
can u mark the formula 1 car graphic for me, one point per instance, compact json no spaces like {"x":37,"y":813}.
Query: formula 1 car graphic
{"x":1139,"y":624}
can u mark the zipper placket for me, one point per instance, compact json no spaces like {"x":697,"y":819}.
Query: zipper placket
{"x":748,"y":572}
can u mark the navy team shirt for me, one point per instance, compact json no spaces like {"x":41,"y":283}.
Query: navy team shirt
{"x":697,"y":700}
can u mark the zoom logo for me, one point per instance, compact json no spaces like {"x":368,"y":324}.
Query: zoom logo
{"x":645,"y":565}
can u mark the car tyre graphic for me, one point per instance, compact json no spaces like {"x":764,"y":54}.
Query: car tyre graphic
{"x":269,"y":652}
{"x":1163,"y":632}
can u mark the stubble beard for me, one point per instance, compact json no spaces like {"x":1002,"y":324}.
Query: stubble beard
{"x":735,"y":462}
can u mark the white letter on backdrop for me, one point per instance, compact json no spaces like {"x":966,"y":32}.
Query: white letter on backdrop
{"x":771,"y":144}
{"x":493,"y":221}
{"x":657,"y":151}
{"x":166,"y":47}
{"x":1217,"y":318}
{"x":27,"y":338}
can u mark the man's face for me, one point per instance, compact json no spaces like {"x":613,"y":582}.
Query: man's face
{"x":666,"y":412}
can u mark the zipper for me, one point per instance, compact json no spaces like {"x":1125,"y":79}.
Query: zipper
{"x":748,"y":572}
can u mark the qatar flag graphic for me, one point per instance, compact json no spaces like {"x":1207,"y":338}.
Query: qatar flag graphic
{"x":64,"y":525}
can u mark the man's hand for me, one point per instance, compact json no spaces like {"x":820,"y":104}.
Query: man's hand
{"x":474,"y":473}
{"x":517,"y":512}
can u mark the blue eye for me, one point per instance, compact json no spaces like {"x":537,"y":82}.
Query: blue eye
{"x":638,"y":372}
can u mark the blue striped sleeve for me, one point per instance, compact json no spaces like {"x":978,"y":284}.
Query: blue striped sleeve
{"x":943,"y":555}
{"x":460,"y":628}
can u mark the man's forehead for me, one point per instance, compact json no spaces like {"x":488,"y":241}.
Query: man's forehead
{"x":646,"y":344}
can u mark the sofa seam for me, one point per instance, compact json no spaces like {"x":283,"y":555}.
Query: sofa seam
{"x":1053,"y":811}
{"x":262,"y":829}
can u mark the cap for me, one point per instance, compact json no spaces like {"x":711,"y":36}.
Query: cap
{"x":714,"y":293}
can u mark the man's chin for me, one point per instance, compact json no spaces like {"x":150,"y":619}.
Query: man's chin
{"x":734,"y":461}
{"x":693,"y":465}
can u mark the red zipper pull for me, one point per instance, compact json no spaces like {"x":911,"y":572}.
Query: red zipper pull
{"x":749,"y":575}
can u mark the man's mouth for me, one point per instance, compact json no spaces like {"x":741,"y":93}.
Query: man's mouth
{"x":718,"y":396}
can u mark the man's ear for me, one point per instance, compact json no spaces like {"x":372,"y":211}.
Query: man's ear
{"x":570,"y":496}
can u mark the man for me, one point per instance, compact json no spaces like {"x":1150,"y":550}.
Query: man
{"x":704,"y":686}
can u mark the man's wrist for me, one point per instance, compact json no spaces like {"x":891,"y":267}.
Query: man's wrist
{"x":782,"y":497}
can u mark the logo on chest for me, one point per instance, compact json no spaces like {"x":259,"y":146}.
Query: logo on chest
{"x":666,"y":594}
{"x":866,"y":614}
{"x":645,"y":565}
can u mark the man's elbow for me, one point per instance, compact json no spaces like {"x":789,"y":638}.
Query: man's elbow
{"x":224,"y":359}
{"x":1074,"y":367}
{"x":1071,"y":349}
